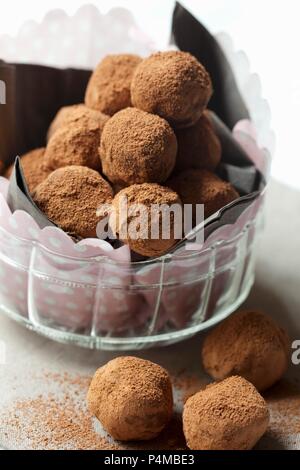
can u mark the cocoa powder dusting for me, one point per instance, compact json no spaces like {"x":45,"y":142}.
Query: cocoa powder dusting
{"x":203,"y":187}
{"x":146,"y":194}
{"x":70,"y":197}
{"x":109,"y":87}
{"x":187,"y":384}
{"x":284,"y":404}
{"x":67,"y":424}
{"x":77,"y":114}
{"x":137,"y":147}
{"x":172,"y":84}
{"x":34,"y":168}
{"x":259,"y":349}
{"x":74,"y":144}
{"x":132,"y":398}
{"x":198,"y":146}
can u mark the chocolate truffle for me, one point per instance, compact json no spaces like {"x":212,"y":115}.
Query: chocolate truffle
{"x":109,"y":87}
{"x":229,"y":415}
{"x":198,"y":146}
{"x":203,"y":187}
{"x":173,"y":85}
{"x":34,"y":168}
{"x":137,"y":147}
{"x":132,"y":398}
{"x":249,"y":344}
{"x":74,"y":145}
{"x":70,"y":197}
{"x":77,"y":114}
{"x":145,"y":241}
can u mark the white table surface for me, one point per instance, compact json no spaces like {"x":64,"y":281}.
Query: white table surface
{"x":276,"y":290}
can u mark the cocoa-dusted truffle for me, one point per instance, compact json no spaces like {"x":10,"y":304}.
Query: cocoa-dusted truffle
{"x":173,"y":85}
{"x":229,"y":415}
{"x":77,"y":114}
{"x":70,"y":197}
{"x":258,"y":349}
{"x":203,"y":187}
{"x":137,"y":147}
{"x":198,"y":146}
{"x":146,"y":242}
{"x":34,"y":168}
{"x":109,"y":87}
{"x":74,"y":145}
{"x":132,"y":398}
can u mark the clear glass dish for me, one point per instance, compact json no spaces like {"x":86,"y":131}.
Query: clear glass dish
{"x":103,"y":304}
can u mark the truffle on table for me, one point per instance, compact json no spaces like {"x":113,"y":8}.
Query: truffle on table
{"x":150,"y":196}
{"x":229,"y":415}
{"x":137,"y":147}
{"x":259,"y":349}
{"x":198,"y":146}
{"x":34,"y":168}
{"x":70,"y":197}
{"x":132,"y":398}
{"x":76,"y":114}
{"x":108,"y":89}
{"x":173,"y":85}
{"x":203,"y":187}
{"x":74,"y":145}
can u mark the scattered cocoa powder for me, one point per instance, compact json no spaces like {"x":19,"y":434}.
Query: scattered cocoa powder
{"x":62,"y":421}
{"x":69,"y":424}
{"x":172,"y":84}
{"x":259,"y":349}
{"x":146,"y":194}
{"x":74,"y":382}
{"x":70,"y":197}
{"x":77,"y":114}
{"x":188,"y":384}
{"x":284,"y":404}
{"x":137,"y":147}
{"x":109,"y":87}
{"x":34,"y":168}
{"x":171,"y":438}
{"x":63,"y":425}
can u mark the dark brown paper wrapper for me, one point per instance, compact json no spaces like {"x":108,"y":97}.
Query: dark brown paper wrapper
{"x":35,"y":93}
{"x":189,"y":35}
{"x":19,"y":197}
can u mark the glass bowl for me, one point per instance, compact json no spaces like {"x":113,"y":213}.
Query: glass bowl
{"x":100,"y":303}
{"x":103,"y":304}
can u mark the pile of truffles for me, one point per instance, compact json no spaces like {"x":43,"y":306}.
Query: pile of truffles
{"x":132,"y":397}
{"x":144,"y":131}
